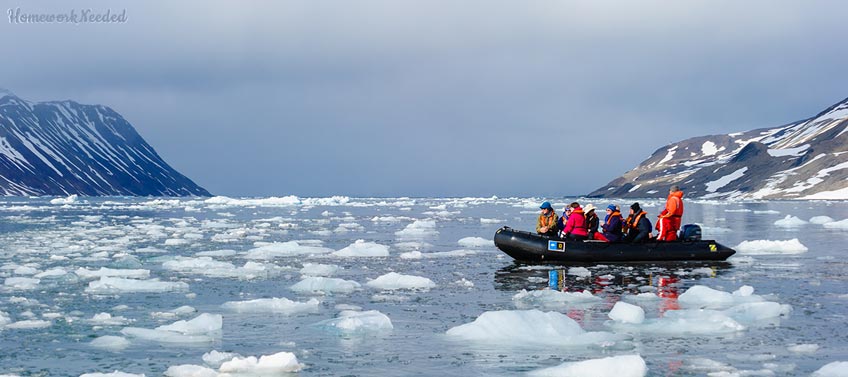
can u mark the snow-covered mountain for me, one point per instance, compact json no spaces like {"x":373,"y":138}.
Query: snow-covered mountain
{"x":63,"y":148}
{"x":802,"y":160}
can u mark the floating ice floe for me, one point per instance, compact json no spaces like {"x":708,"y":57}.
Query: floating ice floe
{"x":763,"y":247}
{"x":51,"y":273}
{"x":627,"y":313}
{"x":112,"y":272}
{"x":110,"y":343}
{"x":216,"y":253}
{"x":190,"y":370}
{"x":29,"y":324}
{"x":491,"y":221}
{"x":531,"y":328}
{"x":438,"y":254}
{"x":202,"y":329}
{"x":317,"y":269}
{"x":730,"y":312}
{"x":834,"y":369}
{"x":106,"y":319}
{"x":317,"y":284}
{"x":285,"y":249}
{"x":216,"y":358}
{"x":268,"y":365}
{"x":207,"y":266}
{"x":615,"y":366}
{"x":475,"y":242}
{"x":789,"y":222}
{"x":116,"y":373}
{"x":360,"y":248}
{"x":418,"y":229}
{"x":842,"y":225}
{"x":394,"y":280}
{"x":68,"y":200}
{"x":272,"y":305}
{"x":21,"y":283}
{"x":182,"y":310}
{"x":110,"y":285}
{"x":548,"y":298}
{"x":821,"y":220}
{"x":579,"y":272}
{"x":357,"y":322}
{"x":803,"y":348}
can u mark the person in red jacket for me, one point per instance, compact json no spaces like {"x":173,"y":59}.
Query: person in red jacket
{"x":575,"y":227}
{"x":669,"y":219}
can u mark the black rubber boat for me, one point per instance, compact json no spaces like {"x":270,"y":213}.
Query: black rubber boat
{"x":535,"y":248}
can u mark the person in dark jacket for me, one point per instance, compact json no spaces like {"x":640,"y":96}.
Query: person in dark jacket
{"x":592,"y":221}
{"x":612,"y":224}
{"x":637,"y":225}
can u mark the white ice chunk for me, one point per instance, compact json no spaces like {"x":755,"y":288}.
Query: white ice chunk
{"x":627,"y":313}
{"x":360,"y":248}
{"x":548,"y":299}
{"x":53,"y":272}
{"x":25,"y":270}
{"x":579,"y":271}
{"x":761,"y":247}
{"x":352,"y":321}
{"x":284,"y":249}
{"x":116,"y":373}
{"x":106,"y":319}
{"x":394,"y":280}
{"x":842,"y":225}
{"x":803,"y":348}
{"x":29,"y":324}
{"x":110,"y":343}
{"x":326,"y":285}
{"x":189,"y":370}
{"x":475,"y":242}
{"x":418,"y":229}
{"x":834,"y":369}
{"x":111,"y":272}
{"x":789,"y":222}
{"x":821,"y":220}
{"x":317,"y":269}
{"x":108,"y":285}
{"x":615,"y":366}
{"x":272,"y":305}
{"x":21,"y":283}
{"x":529,"y":327}
{"x":278,"y":363}
{"x":68,"y":200}
{"x":697,"y":322}
{"x":216,"y":358}
{"x":204,"y":328}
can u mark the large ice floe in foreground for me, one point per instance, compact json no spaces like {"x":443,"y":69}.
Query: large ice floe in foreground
{"x":616,"y":366}
{"x":706,"y":311}
{"x":354,"y":322}
{"x":394,"y":280}
{"x":204,"y":328}
{"x":530,"y":328}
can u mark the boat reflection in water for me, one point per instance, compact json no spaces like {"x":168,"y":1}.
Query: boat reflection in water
{"x":660,"y":284}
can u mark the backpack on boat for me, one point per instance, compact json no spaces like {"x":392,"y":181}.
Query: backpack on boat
{"x":690,"y":232}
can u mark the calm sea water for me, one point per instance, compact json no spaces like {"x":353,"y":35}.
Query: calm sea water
{"x":143,"y":234}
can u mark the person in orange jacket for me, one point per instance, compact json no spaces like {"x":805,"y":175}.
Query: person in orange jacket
{"x":669,"y":219}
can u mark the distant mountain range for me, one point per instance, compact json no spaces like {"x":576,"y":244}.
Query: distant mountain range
{"x":807,"y":159}
{"x":64,"y":148}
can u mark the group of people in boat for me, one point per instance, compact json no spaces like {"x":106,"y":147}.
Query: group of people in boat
{"x":580,"y":224}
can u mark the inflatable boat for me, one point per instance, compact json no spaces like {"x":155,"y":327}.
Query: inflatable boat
{"x":534,"y":248}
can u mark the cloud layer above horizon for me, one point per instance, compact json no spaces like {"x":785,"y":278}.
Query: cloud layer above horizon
{"x":419,"y":98}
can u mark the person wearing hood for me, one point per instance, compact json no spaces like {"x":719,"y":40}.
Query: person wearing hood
{"x":547,"y":222}
{"x":612,"y":224}
{"x":575,"y":227}
{"x":592,"y":222}
{"x":637,"y":225}
{"x":669,"y":219}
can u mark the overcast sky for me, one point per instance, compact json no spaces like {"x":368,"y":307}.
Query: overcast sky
{"x":431,"y":98}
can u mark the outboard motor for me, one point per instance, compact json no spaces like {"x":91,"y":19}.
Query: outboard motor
{"x":690,"y":232}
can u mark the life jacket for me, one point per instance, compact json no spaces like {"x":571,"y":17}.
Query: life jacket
{"x":614,"y":213}
{"x":674,"y":204}
{"x":548,"y":221}
{"x":633,"y":221}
